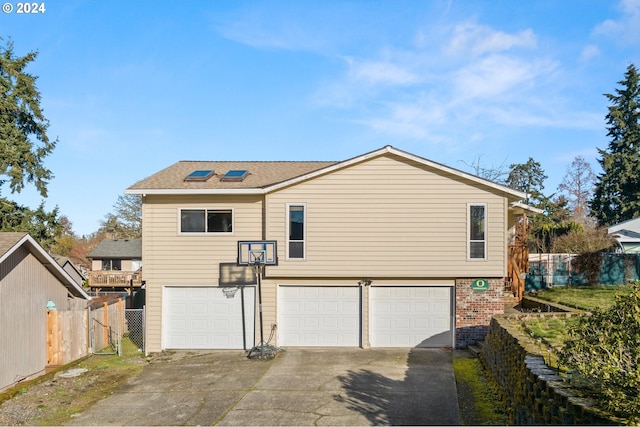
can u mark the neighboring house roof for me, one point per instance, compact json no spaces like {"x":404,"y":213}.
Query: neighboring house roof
{"x":265,"y":177}
{"x":631,"y":225}
{"x":64,"y":261}
{"x":625,"y":236}
{"x":117,"y":248}
{"x":10,"y":242}
{"x":66,"y":264}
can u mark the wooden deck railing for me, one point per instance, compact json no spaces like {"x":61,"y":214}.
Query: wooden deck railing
{"x":114,"y":278}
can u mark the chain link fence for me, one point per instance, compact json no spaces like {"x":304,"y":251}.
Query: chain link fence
{"x":135,"y":326}
{"x":109,"y":321}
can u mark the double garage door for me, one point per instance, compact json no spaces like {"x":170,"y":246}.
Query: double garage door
{"x":398,"y":316}
{"x":321,"y":316}
{"x":206,"y":318}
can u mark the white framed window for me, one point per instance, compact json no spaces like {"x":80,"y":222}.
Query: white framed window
{"x":477,"y":231}
{"x":296,"y":231}
{"x":112,"y":264}
{"x":206,"y":221}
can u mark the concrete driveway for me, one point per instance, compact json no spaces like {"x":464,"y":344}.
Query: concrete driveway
{"x":299,"y":387}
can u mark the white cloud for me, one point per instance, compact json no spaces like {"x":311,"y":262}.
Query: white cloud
{"x":408,"y":94}
{"x":473,"y":39}
{"x":589,"y":52}
{"x":499,"y":75}
{"x":380,"y":72}
{"x":285,"y":37}
{"x":625,"y":29}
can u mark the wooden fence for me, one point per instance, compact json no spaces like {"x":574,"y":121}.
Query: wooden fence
{"x":106,"y":325}
{"x":67,"y":338}
{"x":72,"y":335}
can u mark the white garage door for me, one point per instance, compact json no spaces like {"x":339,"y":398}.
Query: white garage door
{"x":318,"y":316}
{"x":204,"y":318}
{"x":410,"y":317}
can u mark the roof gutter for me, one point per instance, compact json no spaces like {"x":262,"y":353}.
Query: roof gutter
{"x":523,"y":207}
{"x":193,"y":191}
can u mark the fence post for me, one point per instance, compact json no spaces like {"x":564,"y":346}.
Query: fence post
{"x":52,"y":338}
{"x":121,"y":318}
{"x":105,"y":325}
{"x":87,"y":318}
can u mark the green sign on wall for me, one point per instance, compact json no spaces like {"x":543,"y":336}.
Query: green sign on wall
{"x":480,"y":285}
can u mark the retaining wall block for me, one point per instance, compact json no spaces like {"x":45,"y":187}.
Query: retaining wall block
{"x":532,"y":392}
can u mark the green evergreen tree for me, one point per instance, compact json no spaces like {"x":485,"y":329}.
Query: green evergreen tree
{"x":24,"y":144}
{"x":555,"y":221}
{"x":43,"y":226}
{"x":23,"y":128}
{"x":529,"y":178}
{"x":617,"y":191}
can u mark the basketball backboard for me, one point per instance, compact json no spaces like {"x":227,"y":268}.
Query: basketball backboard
{"x":257,"y":252}
{"x":232,"y":274}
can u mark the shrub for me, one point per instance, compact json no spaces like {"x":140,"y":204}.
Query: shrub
{"x":583,"y":241}
{"x":588,"y":243}
{"x":604,"y":348}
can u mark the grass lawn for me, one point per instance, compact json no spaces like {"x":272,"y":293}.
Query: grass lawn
{"x":552,"y":332}
{"x":584,"y":297}
{"x":478,"y":402}
{"x":49,"y":400}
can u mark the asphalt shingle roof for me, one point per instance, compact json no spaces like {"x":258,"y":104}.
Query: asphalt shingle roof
{"x":261,"y":174}
{"x":8,"y":240}
{"x":118,"y":248}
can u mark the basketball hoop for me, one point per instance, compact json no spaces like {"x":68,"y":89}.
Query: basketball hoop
{"x":230,"y":292}
{"x":257,"y":254}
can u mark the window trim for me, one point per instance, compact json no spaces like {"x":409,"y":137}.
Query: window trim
{"x":304,"y":232}
{"x":469,"y":241}
{"x":206,"y":233}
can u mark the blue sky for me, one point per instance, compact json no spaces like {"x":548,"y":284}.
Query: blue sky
{"x":130,"y":87}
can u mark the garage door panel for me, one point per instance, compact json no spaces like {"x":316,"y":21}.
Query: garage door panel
{"x":203,"y":318}
{"x":410,"y":317}
{"x":352,"y":324}
{"x":312,"y":307}
{"x":442,"y":308}
{"x":331,"y":316}
{"x":330,"y":306}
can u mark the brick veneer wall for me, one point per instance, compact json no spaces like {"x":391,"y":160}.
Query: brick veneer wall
{"x":474,"y":310}
{"x":533,"y":393}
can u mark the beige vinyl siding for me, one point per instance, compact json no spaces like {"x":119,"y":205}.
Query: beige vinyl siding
{"x":269,"y":307}
{"x":25,"y":288}
{"x":388,"y":217}
{"x":171,"y":258}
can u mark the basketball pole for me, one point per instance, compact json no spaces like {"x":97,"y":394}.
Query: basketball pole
{"x":258,"y":254}
{"x":258,"y":268}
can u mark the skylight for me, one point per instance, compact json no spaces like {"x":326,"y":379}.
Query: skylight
{"x":235,"y":175}
{"x":199,"y":175}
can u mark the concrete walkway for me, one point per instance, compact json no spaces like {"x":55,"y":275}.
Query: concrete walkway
{"x":300,"y":387}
